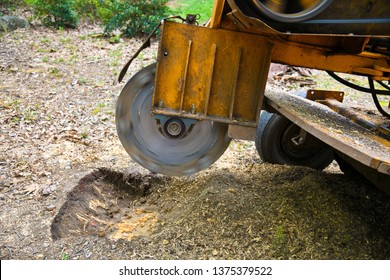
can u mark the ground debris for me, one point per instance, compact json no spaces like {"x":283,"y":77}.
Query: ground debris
{"x":288,"y":213}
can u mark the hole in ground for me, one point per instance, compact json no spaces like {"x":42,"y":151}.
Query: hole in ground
{"x":109,"y":204}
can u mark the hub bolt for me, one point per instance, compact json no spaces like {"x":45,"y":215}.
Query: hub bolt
{"x":174,"y":128}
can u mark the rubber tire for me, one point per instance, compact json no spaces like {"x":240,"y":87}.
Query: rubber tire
{"x":273,"y":147}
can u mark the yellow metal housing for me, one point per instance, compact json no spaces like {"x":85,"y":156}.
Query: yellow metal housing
{"x":219,"y":72}
{"x":211,"y":73}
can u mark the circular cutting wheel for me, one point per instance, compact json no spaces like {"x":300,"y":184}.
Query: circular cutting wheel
{"x":178,"y":146}
{"x":290,"y":10}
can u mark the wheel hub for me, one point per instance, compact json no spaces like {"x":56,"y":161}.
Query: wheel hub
{"x":174,"y":128}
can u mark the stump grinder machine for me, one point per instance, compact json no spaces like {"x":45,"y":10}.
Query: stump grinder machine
{"x":178,"y":116}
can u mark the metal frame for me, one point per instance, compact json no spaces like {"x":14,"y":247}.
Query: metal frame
{"x":213,"y":74}
{"x":219,"y":73}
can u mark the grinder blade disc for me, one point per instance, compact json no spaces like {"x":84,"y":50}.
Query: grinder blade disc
{"x":143,"y":140}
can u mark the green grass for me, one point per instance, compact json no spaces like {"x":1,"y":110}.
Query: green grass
{"x":201,"y":7}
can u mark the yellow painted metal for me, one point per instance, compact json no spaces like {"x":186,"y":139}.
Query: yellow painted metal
{"x":319,"y":51}
{"x":211,"y":73}
{"x":217,"y":13}
{"x":318,"y":95}
{"x":325,"y":58}
{"x":219,"y":72}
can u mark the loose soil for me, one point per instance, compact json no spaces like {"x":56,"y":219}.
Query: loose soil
{"x":68,"y":190}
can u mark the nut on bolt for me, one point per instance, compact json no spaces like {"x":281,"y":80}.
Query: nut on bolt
{"x":193,"y":109}
{"x":161,"y":104}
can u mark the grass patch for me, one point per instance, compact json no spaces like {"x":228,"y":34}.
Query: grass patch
{"x":201,"y":7}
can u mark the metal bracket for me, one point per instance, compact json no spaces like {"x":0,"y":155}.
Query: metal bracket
{"x":316,"y":95}
{"x":190,"y":19}
{"x":174,"y":127}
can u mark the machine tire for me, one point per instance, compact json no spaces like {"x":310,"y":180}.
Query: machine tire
{"x":274,"y":145}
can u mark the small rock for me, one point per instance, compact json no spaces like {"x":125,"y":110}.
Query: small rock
{"x":49,"y":190}
{"x":215,"y":253}
{"x":39,"y":257}
{"x":50,"y":207}
{"x":115,"y":210}
{"x":10,"y":23}
{"x":165,"y":242}
{"x":113,"y":159}
{"x":2,"y":196}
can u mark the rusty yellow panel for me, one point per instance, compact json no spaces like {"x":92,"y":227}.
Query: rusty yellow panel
{"x":321,"y":58}
{"x":211,"y":73}
{"x":217,"y":13}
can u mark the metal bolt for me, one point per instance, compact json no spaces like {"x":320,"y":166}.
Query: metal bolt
{"x":191,"y":18}
{"x":161,"y":104}
{"x":193,"y":109}
{"x":174,"y":128}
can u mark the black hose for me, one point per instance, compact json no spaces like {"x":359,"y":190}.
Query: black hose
{"x":356,"y":87}
{"x":384,"y":85}
{"x":375,"y":98}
